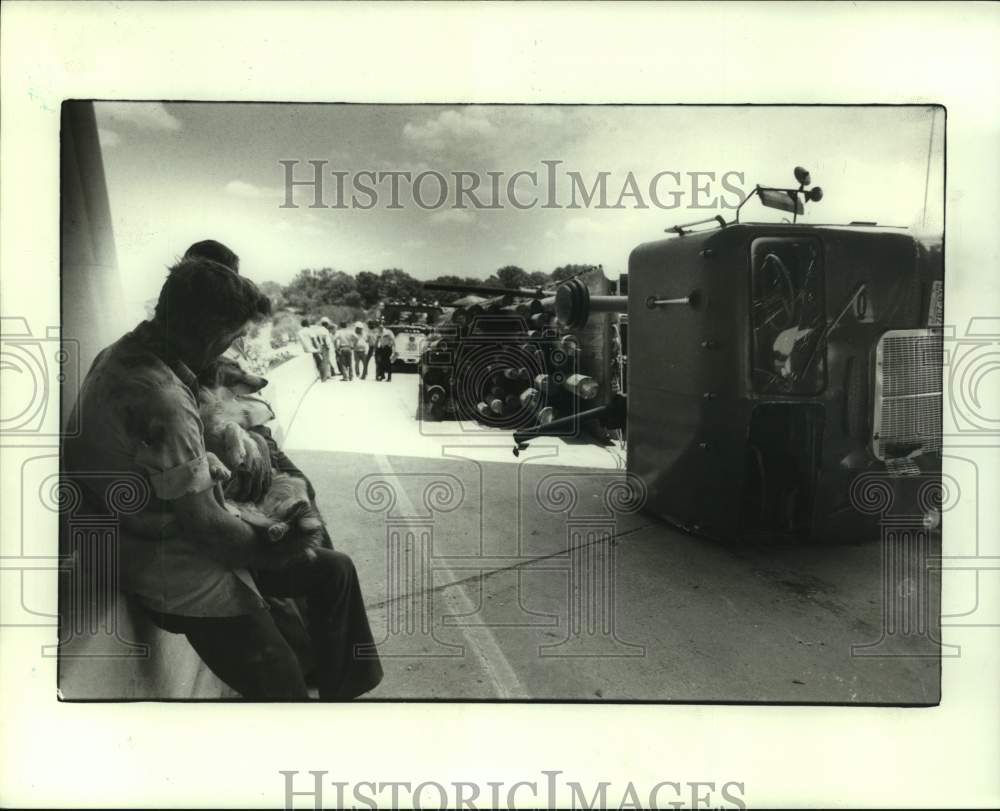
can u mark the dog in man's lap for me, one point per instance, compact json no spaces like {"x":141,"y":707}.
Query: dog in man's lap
{"x":228,"y":411}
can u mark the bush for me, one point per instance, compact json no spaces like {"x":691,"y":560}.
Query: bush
{"x":285,"y":323}
{"x":339,"y":312}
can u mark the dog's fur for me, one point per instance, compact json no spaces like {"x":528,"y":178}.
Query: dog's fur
{"x":228,"y":411}
{"x":227,"y":372}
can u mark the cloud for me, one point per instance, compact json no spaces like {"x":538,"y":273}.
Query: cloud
{"x":150,"y":115}
{"x":108,"y":138}
{"x":465,"y":125}
{"x":301,"y":229}
{"x":501,"y":135}
{"x":456,"y":216}
{"x":302,"y":196}
{"x":413,"y":243}
{"x":413,"y":167}
{"x":584,"y":225}
{"x":240,"y":188}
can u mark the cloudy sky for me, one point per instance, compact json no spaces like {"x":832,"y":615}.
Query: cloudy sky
{"x":182,"y":172}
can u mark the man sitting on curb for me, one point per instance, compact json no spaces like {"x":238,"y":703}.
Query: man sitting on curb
{"x":138,"y":412}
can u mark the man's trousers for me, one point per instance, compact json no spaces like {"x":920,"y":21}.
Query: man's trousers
{"x":249,"y":653}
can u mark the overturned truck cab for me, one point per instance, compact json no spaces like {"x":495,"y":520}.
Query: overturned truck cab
{"x":774,"y":364}
{"x":783,"y":379}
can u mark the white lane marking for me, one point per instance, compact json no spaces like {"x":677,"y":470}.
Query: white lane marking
{"x":483,"y":644}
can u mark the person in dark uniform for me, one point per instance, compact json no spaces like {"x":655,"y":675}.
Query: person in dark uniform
{"x":384,"y":354}
{"x":183,"y":555}
{"x":372,"y":343}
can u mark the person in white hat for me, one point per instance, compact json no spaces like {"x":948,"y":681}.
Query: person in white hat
{"x":344,"y":340}
{"x":361,"y":351}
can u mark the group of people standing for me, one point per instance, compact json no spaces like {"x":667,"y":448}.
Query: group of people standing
{"x":352,"y":348}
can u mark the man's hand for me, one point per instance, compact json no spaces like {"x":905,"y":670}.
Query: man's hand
{"x":252,"y":477}
{"x":207,"y":525}
{"x":284,"y":542}
{"x":251,"y":540}
{"x":295,"y":547}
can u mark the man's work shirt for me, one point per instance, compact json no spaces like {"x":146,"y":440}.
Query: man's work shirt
{"x":321,"y":336}
{"x":138,"y":416}
{"x":345,"y":339}
{"x":307,"y":337}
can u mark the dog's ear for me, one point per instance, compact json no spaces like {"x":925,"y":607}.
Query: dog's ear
{"x":248,"y":384}
{"x":232,"y":375}
{"x":209,"y":376}
{"x":228,"y":371}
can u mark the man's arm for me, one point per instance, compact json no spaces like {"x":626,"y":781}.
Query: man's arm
{"x":223,"y":536}
{"x":307,"y":341}
{"x":239,"y":543}
{"x":171,"y":450}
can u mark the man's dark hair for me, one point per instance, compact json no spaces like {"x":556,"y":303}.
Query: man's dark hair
{"x":201,"y":299}
{"x":343,"y":324}
{"x":216,"y":251}
{"x":305,"y":322}
{"x":371,"y":325}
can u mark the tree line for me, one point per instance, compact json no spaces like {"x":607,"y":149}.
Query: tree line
{"x":313,"y":291}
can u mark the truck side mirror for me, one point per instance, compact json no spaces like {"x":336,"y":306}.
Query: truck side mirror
{"x":782,"y":199}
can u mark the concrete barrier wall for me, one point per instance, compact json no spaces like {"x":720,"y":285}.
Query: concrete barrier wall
{"x":136,"y":660}
{"x":287,"y":386}
{"x":91,"y":662}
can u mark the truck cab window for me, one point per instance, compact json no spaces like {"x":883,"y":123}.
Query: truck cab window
{"x":788,"y":316}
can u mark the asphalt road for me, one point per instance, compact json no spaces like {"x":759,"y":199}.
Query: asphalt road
{"x":489,"y":577}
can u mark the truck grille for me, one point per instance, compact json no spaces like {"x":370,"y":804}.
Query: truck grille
{"x":908,"y":383}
